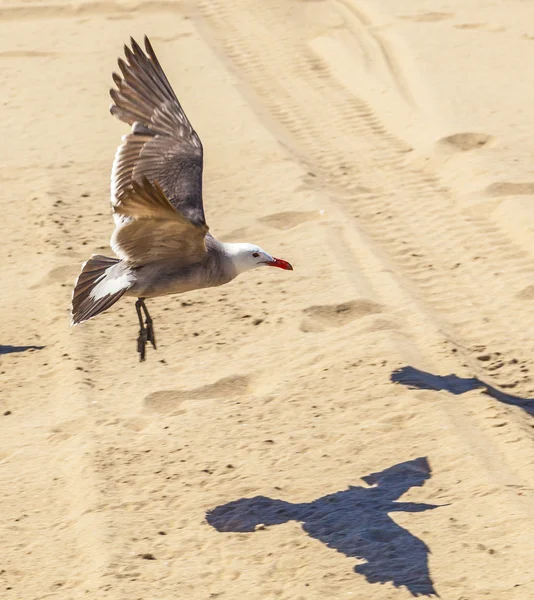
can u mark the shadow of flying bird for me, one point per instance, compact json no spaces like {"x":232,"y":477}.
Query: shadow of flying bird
{"x":416,"y":379}
{"x":355,"y":522}
{"x":14,"y":349}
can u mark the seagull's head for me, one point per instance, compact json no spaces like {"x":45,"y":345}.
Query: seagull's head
{"x":248,"y":256}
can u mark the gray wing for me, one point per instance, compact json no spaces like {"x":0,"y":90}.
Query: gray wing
{"x":162,"y":146}
{"x":149,"y":229}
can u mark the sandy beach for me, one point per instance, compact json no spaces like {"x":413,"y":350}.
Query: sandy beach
{"x":362,"y":427}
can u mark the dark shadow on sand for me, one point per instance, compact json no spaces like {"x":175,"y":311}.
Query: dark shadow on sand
{"x":355,"y":522}
{"x":12,"y":349}
{"x":417,"y":379}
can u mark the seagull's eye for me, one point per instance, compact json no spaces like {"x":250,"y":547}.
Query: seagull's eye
{"x":255,"y":254}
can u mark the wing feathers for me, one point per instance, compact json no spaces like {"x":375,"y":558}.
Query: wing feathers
{"x":163,"y":145}
{"x":151,"y":230}
{"x":146,"y":200}
{"x":162,"y":79}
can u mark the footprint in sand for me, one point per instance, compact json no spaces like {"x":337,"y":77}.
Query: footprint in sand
{"x":337,"y":315}
{"x":236,"y":234}
{"x":465,"y":141}
{"x":66,"y":274}
{"x":428,"y":17}
{"x":527,"y":293}
{"x":508,"y":188}
{"x":172,"y":401}
{"x":289,"y":219}
{"x":469,"y":26}
{"x":27,"y":54}
{"x":67,"y":429}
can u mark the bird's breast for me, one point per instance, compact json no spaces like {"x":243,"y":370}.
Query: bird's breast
{"x":162,"y":280}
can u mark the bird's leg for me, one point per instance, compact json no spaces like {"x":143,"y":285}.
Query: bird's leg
{"x":146,"y":328}
{"x":149,"y":325}
{"x":143,"y":333}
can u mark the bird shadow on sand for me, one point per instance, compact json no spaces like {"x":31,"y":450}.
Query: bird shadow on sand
{"x":13,"y":349}
{"x":355,"y":522}
{"x":416,"y":379}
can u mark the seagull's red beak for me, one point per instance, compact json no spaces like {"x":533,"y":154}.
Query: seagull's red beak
{"x":281,"y":264}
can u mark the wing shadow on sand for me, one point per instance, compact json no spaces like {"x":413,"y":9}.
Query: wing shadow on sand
{"x":355,"y":522}
{"x":417,"y":379}
{"x":12,"y":349}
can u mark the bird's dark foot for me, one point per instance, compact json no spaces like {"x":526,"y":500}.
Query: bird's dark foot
{"x":151,"y":337}
{"x":141,"y":343}
{"x":146,"y":329}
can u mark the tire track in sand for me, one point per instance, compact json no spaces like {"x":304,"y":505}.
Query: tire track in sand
{"x":408,"y":223}
{"x":50,"y":484}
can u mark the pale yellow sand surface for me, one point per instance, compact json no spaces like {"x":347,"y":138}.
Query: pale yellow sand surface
{"x":386,"y":150}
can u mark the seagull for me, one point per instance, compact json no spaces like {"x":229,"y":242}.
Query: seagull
{"x":161,"y":240}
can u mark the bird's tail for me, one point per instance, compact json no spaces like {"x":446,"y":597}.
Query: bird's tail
{"x":101,"y":283}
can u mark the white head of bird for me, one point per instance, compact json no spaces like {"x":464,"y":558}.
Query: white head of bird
{"x":248,"y":256}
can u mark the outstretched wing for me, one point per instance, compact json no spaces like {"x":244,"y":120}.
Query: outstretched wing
{"x":150,"y":230}
{"x":162,"y":146}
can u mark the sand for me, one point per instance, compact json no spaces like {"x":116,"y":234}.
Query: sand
{"x":359,"y":428}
